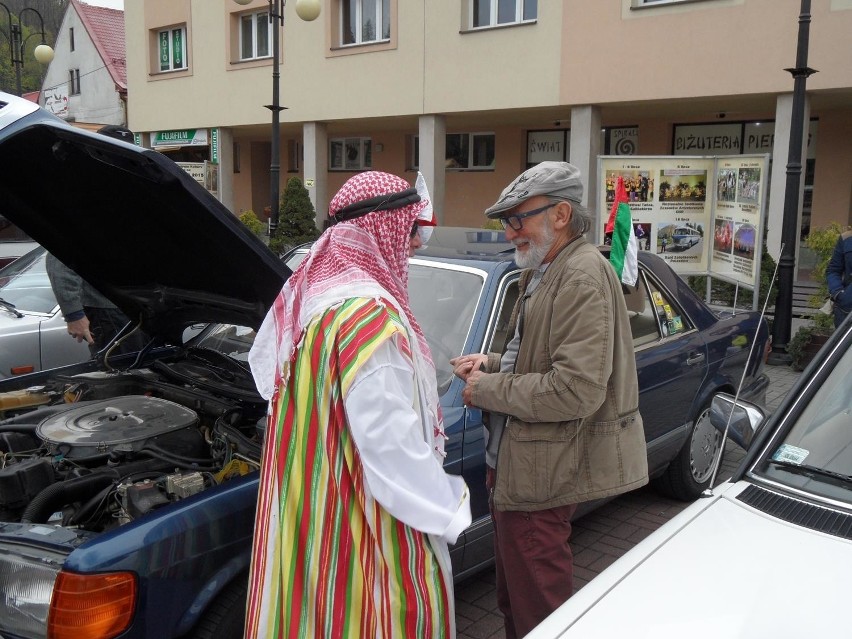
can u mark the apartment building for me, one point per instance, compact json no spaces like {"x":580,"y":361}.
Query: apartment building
{"x":472,"y":92}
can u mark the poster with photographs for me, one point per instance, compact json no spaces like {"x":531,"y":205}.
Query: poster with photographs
{"x":703,"y":215}
{"x":669,"y":203}
{"x":740,"y":197}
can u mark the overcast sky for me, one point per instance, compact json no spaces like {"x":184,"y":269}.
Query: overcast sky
{"x":112,"y":4}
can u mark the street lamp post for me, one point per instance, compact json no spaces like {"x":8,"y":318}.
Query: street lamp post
{"x":307,"y":10}
{"x":789,"y":225}
{"x":43,"y":53}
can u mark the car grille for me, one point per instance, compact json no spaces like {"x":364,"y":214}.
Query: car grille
{"x":797,"y":512}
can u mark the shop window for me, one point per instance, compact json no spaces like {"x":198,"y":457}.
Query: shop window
{"x":172,"y":49}
{"x":350,"y":154}
{"x":471,"y":151}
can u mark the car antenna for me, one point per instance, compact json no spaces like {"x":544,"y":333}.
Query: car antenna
{"x":708,"y":492}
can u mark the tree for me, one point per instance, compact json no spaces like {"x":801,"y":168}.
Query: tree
{"x":32,"y":71}
{"x":297,"y":220}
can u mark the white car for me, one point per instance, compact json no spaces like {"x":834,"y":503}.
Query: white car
{"x":33,"y":335}
{"x":768,"y":554}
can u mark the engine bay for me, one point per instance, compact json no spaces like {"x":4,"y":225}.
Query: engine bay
{"x":99,"y":449}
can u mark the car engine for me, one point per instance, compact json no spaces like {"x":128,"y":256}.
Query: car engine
{"x":100,"y":449}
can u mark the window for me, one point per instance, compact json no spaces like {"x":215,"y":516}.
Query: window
{"x":350,"y":154}
{"x":172,"y":45}
{"x":255,"y":35}
{"x":473,"y":151}
{"x":470,"y":151}
{"x":74,"y":82}
{"x":71,"y":38}
{"x":492,"y":13}
{"x":363,"y":21}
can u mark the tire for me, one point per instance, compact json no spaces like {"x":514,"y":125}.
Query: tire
{"x":689,"y":473}
{"x":225,"y":617}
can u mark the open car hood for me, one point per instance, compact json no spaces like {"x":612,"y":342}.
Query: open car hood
{"x":133,"y":224}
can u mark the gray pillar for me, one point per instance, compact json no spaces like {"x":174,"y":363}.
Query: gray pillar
{"x":583,"y":153}
{"x":778,"y":181}
{"x":433,"y":145}
{"x":315,"y":140}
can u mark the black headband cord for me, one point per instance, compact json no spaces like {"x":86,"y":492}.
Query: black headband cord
{"x":385,"y":202}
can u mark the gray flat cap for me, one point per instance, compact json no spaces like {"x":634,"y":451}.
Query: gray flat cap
{"x":557,"y":179}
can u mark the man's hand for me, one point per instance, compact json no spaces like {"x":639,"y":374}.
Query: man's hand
{"x":79,"y":329}
{"x":464,"y":365}
{"x":472,"y":380}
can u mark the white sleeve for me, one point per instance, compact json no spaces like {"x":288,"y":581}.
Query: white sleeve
{"x":401,"y":470}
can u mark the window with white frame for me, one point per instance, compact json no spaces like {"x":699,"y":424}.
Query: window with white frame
{"x":493,"y":13}
{"x":364,"y":21}
{"x":172,"y":46}
{"x":255,"y":35}
{"x":472,"y":151}
{"x":350,"y":154}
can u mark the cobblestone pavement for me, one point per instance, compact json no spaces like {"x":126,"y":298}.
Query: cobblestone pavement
{"x":602,"y":536}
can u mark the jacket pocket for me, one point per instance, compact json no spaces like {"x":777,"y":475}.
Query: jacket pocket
{"x":539,"y":461}
{"x":614,"y":454}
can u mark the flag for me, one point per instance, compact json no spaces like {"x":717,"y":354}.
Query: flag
{"x":624,"y":249}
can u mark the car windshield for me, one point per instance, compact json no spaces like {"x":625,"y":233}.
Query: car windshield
{"x":24,"y":283}
{"x":443,"y":299}
{"x":816,"y":455}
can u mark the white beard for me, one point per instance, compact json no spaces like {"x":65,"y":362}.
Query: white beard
{"x":536,"y":250}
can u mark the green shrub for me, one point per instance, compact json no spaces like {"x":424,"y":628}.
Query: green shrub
{"x":253,"y":223}
{"x":297,"y":221}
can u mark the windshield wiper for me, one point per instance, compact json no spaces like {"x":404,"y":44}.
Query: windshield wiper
{"x":811,"y":471}
{"x":10,"y":307}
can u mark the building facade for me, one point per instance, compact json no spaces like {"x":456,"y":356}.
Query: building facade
{"x":472,"y":92}
{"x":86,"y":82}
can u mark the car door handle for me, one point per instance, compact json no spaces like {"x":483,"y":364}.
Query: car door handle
{"x":695,"y":358}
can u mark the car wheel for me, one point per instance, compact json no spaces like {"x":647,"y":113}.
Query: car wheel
{"x":689,"y":473}
{"x":225,"y":617}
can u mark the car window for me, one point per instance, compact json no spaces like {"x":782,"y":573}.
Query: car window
{"x":821,"y":438}
{"x":653,"y":313}
{"x":442,"y":299}
{"x":505,"y":304}
{"x":24,"y":283}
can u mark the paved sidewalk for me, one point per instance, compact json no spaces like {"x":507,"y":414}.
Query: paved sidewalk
{"x":602,"y":536}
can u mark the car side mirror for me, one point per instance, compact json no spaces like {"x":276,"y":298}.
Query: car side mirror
{"x":742,"y":420}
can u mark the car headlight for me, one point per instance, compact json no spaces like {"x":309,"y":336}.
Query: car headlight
{"x":27,"y":576}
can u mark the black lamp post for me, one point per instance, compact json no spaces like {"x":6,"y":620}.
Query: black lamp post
{"x":307,"y":10}
{"x":789,"y":228}
{"x":43,"y":53}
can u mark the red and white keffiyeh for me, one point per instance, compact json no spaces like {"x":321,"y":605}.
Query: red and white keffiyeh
{"x":364,"y":257}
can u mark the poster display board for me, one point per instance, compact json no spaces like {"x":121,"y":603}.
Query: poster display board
{"x":702,"y":215}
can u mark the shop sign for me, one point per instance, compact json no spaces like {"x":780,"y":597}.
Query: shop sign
{"x":214,"y":145}
{"x":546,"y":145}
{"x":56,"y":100}
{"x":184,"y":137}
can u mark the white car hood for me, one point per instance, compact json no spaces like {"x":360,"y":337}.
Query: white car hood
{"x":729,"y":571}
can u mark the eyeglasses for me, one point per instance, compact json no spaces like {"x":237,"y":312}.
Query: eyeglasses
{"x":514,"y":221}
{"x":414,"y":228}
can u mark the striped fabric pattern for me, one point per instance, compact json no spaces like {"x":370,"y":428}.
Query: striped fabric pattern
{"x":329,"y":561}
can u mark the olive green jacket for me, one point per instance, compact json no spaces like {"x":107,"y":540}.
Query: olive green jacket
{"x":574,"y":433}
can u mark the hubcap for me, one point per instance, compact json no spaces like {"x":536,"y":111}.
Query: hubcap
{"x":703,"y":448}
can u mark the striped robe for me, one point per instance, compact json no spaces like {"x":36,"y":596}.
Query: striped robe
{"x":328,"y":560}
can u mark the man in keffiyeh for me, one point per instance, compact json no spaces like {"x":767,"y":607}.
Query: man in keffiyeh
{"x":355,"y":511}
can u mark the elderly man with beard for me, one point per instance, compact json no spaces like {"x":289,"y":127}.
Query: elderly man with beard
{"x":562,"y":401}
{"x":355,"y":510}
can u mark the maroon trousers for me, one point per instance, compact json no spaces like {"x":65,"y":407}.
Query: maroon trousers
{"x":534,"y":564}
